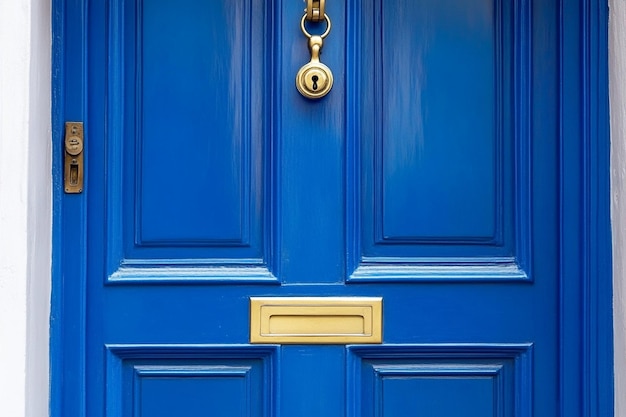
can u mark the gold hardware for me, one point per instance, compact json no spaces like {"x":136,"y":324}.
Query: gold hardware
{"x":315,"y":10}
{"x":74,"y":161}
{"x":314,"y":80}
{"x":316,"y":320}
{"x":306,"y":32}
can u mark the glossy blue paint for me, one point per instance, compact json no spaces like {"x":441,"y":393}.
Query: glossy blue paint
{"x":414,"y":62}
{"x":458,"y":169}
{"x":486,"y":178}
{"x":215,"y":380}
{"x":479,"y":380}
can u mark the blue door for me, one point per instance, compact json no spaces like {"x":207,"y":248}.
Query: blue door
{"x":410,"y":234}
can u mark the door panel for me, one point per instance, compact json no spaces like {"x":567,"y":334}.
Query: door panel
{"x":441,"y":380}
{"x":199,"y":381}
{"x":424,"y":178}
{"x":187,"y":122}
{"x":435,"y":97}
{"x":444,"y":137}
{"x":210,"y":151}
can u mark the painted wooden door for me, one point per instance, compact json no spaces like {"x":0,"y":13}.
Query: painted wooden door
{"x":429,"y":176}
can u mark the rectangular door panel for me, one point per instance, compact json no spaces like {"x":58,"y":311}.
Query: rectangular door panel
{"x":158,"y":380}
{"x":442,"y":381}
{"x":187,"y":144}
{"x":442,"y":147}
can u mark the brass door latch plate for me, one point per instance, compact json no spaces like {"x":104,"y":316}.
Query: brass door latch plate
{"x":74,"y":161}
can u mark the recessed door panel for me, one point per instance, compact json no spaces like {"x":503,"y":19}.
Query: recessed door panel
{"x":187,"y":143}
{"x":183,"y":80}
{"x":438,"y":380}
{"x":167,"y":380}
{"x":435,"y":106}
{"x":443,"y":152}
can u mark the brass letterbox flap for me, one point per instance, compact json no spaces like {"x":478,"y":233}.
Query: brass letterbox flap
{"x":316,"y":320}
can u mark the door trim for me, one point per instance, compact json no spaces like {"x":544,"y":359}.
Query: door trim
{"x":586,"y":301}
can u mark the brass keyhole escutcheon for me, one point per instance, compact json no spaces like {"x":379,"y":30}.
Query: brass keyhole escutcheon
{"x":314,"y":80}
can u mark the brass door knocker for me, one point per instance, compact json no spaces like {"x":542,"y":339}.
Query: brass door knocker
{"x":314,"y":80}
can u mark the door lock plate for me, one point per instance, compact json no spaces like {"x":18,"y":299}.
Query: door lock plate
{"x":74,"y":161}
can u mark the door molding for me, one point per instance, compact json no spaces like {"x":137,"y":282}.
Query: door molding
{"x":585,"y":315}
{"x":586,"y":302}
{"x":585,"y":285}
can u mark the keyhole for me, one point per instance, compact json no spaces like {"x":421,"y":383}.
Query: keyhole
{"x":315,"y":78}
{"x":74,"y":172}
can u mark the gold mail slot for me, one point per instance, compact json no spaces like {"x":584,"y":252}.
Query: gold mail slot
{"x":316,"y":320}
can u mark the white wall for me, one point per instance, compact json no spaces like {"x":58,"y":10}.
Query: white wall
{"x":25,"y":206}
{"x":617,"y":86}
{"x":25,"y":203}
